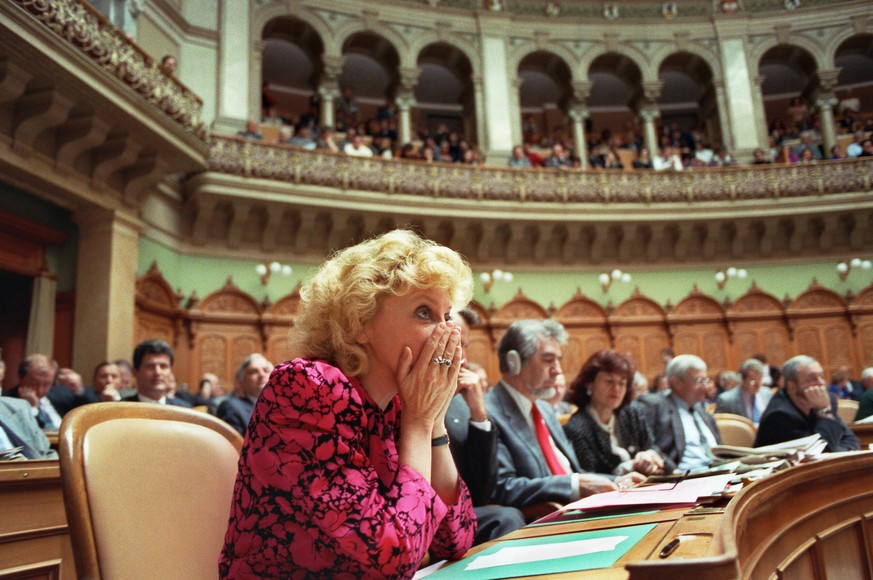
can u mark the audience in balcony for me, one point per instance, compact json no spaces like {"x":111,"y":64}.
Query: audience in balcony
{"x":759,"y":157}
{"x":303,"y":138}
{"x":252,"y":131}
{"x":808,"y":142}
{"x":668,"y":160}
{"x":168,"y":65}
{"x":798,"y":114}
{"x":558,"y":159}
{"x":356,"y":147}
{"x":518,"y":158}
{"x":643,"y":160}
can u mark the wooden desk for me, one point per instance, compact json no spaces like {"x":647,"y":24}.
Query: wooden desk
{"x":864,"y":432}
{"x":810,"y":522}
{"x":34,"y":538}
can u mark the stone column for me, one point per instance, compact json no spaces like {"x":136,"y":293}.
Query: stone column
{"x":41,"y":326}
{"x":724,"y":126}
{"x":328,"y":87}
{"x":499,"y":120}
{"x":648,"y":112}
{"x":760,"y":114}
{"x":233,"y":67}
{"x":515,"y":114}
{"x":479,"y":113}
{"x":578,"y":114}
{"x":825,"y":101}
{"x":105,"y":286}
{"x":256,"y":81}
{"x":405,"y":101}
{"x":742,"y":118}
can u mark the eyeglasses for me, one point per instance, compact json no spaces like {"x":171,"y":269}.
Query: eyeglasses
{"x":702,"y":380}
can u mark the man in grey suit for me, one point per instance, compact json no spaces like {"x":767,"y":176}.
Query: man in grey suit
{"x":536,"y":462}
{"x":18,"y":428}
{"x":749,"y":399}
{"x":684,"y":431}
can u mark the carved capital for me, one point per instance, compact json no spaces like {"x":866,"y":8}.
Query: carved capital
{"x":333,"y":68}
{"x":652,"y":90}
{"x":581,"y":90}
{"x":409,"y":78}
{"x":827,"y":79}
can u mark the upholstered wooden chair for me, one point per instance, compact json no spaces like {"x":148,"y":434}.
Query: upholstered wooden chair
{"x":847,"y":409}
{"x":736,"y":430}
{"x":147,"y":489}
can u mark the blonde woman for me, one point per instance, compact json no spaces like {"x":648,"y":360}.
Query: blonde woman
{"x":346,"y":469}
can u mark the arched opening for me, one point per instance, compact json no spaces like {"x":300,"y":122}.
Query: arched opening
{"x":544,"y":96}
{"x":291,"y":68}
{"x":689,"y":111}
{"x":445,"y":94}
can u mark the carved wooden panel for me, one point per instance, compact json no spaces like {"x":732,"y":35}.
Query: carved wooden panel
{"x":639,"y":329}
{"x":822,"y":329}
{"x":759,"y":325}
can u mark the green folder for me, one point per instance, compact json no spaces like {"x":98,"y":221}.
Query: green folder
{"x":617,"y":541}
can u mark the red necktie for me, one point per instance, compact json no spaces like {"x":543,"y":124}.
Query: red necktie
{"x":546,"y":443}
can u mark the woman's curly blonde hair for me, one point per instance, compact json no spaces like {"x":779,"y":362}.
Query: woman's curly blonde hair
{"x":346,"y":292}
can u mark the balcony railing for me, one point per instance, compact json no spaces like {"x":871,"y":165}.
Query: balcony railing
{"x":83,"y":27}
{"x":452,"y":181}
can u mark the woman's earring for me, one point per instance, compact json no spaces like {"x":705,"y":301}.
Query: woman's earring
{"x":588,"y":392}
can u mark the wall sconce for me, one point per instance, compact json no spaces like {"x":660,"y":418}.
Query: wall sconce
{"x":607,"y":278}
{"x":265,"y":270}
{"x":843,"y":267}
{"x":489,"y":278}
{"x":722,"y":276}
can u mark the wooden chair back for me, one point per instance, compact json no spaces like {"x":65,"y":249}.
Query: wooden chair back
{"x":736,"y":429}
{"x":847,"y":409}
{"x":147,"y":489}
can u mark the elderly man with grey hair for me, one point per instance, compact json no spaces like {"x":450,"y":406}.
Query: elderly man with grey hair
{"x":750,"y":399}
{"x":250,"y":379}
{"x":865,"y":406}
{"x":803,"y":407}
{"x":536,"y":461}
{"x":684,"y":431}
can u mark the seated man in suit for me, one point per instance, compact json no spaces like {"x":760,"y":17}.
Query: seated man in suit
{"x":474,"y":445}
{"x":251,"y":378}
{"x":51,"y":393}
{"x":684,"y":431}
{"x":749,"y":399}
{"x":804,"y":407}
{"x":536,"y":462}
{"x":106,"y":379}
{"x":153,"y":369}
{"x":18,"y":428}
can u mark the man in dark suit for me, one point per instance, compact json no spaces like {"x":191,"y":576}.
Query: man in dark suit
{"x":684,"y":431}
{"x":536,"y":462}
{"x":474,"y":445}
{"x":251,"y":378}
{"x":805,"y":407}
{"x":153,"y":369}
{"x":105,"y":381}
{"x":51,"y":393}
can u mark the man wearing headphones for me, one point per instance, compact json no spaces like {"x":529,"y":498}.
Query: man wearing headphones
{"x":536,"y":462}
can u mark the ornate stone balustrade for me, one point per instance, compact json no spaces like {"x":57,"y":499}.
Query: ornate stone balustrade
{"x":592,"y":9}
{"x":103,"y":43}
{"x":452,"y":181}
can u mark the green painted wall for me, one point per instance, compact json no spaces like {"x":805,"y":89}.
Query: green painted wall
{"x":208,"y":274}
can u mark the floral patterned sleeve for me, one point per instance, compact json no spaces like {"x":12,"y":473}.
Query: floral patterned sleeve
{"x":320,"y":490}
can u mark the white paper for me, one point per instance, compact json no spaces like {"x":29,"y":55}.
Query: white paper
{"x":525,"y":554}
{"x":425,"y":572}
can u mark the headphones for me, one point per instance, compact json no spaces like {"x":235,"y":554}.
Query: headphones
{"x":513,"y":362}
